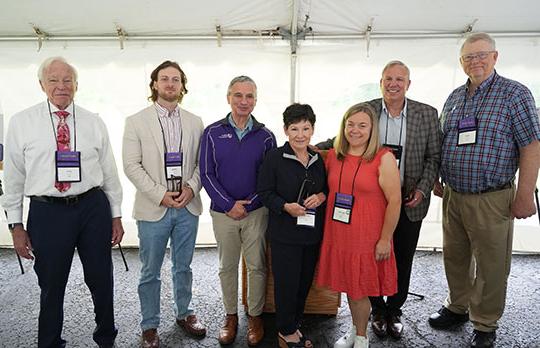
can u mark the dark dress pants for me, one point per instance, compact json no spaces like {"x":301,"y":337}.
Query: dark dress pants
{"x":293,"y":267}
{"x":405,"y":241}
{"x":55,"y":231}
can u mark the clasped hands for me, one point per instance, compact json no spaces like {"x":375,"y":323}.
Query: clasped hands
{"x":177,"y":200}
{"x":312,"y":202}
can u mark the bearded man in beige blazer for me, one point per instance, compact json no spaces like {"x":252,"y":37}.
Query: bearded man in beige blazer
{"x":160,"y":156}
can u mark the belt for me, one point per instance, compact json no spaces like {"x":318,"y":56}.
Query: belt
{"x":490,"y":189}
{"x":67,"y":200}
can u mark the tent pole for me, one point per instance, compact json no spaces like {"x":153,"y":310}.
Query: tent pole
{"x":293,"y":78}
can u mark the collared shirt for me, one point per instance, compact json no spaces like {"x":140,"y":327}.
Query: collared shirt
{"x":171,"y":127}
{"x":240,"y":133}
{"x":506,"y":120}
{"x":393,"y":131}
{"x":29,"y":166}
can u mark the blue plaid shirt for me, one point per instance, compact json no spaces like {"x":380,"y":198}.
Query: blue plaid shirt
{"x":506,"y":120}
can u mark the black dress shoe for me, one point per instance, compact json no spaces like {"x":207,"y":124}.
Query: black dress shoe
{"x":445,"y":319}
{"x":481,"y":339}
{"x":378,"y":324}
{"x":395,"y":327}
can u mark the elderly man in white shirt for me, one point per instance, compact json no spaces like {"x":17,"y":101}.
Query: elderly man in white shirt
{"x":58,"y":154}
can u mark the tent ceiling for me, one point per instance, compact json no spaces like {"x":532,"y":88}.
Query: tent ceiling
{"x":162,"y":18}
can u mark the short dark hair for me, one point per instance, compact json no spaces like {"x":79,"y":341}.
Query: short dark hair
{"x":154,"y":75}
{"x":296,"y":112}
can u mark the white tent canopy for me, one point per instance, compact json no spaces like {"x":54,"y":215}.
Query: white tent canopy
{"x":325,"y":53}
{"x":166,"y":18}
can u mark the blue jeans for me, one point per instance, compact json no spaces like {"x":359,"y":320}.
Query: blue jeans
{"x":181,"y":227}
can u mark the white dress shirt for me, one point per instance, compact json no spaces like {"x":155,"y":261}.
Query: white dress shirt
{"x":393,"y":131}
{"x":29,"y":161}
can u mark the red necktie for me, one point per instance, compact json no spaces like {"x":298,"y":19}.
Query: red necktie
{"x":62,"y":143}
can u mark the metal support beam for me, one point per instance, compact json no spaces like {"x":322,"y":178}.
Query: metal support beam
{"x":121,"y":36}
{"x":469,"y":28}
{"x":294,"y":47}
{"x":253,"y":35}
{"x":219,"y":35}
{"x":369,"y":29}
{"x":293,"y":78}
{"x":41,"y":35}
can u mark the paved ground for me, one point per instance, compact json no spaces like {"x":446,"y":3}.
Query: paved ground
{"x":19,"y":302}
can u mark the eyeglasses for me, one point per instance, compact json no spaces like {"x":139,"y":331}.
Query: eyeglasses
{"x":480,"y":55}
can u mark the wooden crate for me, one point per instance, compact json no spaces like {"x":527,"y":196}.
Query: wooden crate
{"x":319,"y":300}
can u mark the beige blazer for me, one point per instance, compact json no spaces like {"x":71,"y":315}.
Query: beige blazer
{"x":143,"y":159}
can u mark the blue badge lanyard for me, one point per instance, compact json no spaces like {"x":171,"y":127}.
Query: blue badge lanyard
{"x":74,"y":126}
{"x":168,"y":132}
{"x":354,"y":178}
{"x":482,"y":104}
{"x":400,"y":129}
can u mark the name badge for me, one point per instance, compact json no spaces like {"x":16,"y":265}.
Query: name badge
{"x":68,"y":166}
{"x":308,"y":219}
{"x":397,"y":150}
{"x":467,"y":131}
{"x":343,"y":207}
{"x":173,"y":165}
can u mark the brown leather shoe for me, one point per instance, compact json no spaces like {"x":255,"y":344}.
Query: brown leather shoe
{"x":192,"y":326}
{"x":150,"y":339}
{"x":227,"y":333}
{"x":255,"y":331}
{"x":378,"y":324}
{"x":395,"y":327}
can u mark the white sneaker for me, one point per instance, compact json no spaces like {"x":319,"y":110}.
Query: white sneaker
{"x":347,"y":340}
{"x":361,"y":342}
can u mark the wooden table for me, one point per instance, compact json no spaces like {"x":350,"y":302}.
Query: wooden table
{"x":319,"y":301}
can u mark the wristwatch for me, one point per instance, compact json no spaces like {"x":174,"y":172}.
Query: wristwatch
{"x":11,"y":227}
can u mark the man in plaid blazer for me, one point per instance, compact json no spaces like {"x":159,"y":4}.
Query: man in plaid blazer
{"x":411,"y":130}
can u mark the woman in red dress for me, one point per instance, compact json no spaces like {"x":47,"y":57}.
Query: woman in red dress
{"x":363,"y":209}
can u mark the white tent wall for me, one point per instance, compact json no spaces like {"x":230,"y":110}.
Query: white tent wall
{"x":335,"y":75}
{"x":114,"y":83}
{"x":331,"y":76}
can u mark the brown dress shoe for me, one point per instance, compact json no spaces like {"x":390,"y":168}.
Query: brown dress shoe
{"x":395,"y":327}
{"x":192,"y":326}
{"x":255,"y":331}
{"x":227,"y":333}
{"x":150,"y":339}
{"x":378,"y":324}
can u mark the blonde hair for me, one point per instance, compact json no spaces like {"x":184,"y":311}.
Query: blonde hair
{"x":341,"y":145}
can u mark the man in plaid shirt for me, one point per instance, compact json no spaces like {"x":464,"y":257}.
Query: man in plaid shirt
{"x":490,"y":128}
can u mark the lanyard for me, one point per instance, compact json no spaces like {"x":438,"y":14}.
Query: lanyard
{"x":484,"y":100}
{"x":354,"y":178}
{"x":400,"y":129}
{"x":74,"y":125}
{"x":169,"y":134}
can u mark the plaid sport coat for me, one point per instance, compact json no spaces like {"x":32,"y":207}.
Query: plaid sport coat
{"x":422,"y":152}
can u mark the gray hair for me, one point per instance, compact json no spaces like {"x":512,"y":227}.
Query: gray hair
{"x":394,"y":63}
{"x":241,"y":78}
{"x":48,"y":62}
{"x":479,"y":37}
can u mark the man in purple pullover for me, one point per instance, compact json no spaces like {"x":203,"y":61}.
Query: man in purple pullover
{"x":232,"y":150}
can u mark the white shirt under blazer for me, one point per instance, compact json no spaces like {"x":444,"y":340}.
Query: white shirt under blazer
{"x":144,"y":164}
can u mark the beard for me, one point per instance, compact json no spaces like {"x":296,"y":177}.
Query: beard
{"x":171,"y":98}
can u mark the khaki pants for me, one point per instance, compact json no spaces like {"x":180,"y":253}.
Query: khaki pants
{"x":477,"y":245}
{"x":246,"y":236}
